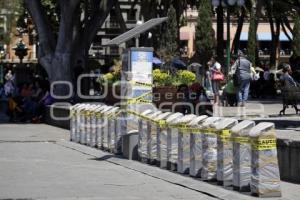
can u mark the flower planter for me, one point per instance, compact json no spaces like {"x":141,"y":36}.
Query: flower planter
{"x":164,"y":96}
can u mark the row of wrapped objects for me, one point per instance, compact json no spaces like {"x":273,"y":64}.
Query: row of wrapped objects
{"x":214,"y":148}
{"x":235,"y":154}
{"x":96,"y":126}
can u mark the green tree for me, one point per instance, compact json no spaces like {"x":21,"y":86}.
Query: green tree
{"x":10,"y":9}
{"x":296,"y":33}
{"x":252,"y":40}
{"x":65,"y":49}
{"x":169,"y":37}
{"x":205,"y":36}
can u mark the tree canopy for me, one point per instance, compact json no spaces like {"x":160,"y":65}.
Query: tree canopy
{"x":205,"y":36}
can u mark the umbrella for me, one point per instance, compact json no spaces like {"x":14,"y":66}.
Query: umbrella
{"x":195,"y":65}
{"x":259,"y":69}
{"x":276,"y":71}
{"x":156,"y":61}
{"x":178,"y":63}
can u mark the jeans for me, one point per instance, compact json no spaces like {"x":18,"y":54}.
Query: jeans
{"x":243,"y":91}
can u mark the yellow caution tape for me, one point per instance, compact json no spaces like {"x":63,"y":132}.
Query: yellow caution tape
{"x":141,"y":84}
{"x":225,"y":135}
{"x":241,"y":140}
{"x":191,"y":130}
{"x":179,"y":126}
{"x":140,"y":99}
{"x":114,"y":115}
{"x":72,"y":113}
{"x":264,"y":144}
{"x":99,"y":115}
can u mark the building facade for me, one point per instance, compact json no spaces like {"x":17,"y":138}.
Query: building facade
{"x":130,"y":11}
{"x":264,"y":37}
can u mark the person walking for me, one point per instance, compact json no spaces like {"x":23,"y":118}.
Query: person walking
{"x":242,"y":70}
{"x":216,"y":77}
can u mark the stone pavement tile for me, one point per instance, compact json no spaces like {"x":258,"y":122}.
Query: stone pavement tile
{"x":174,"y":178}
{"x":74,"y":169}
{"x":42,"y":170}
{"x":254,"y":109}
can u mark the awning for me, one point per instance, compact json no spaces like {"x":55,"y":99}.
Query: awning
{"x":187,"y":33}
{"x":135,"y":31}
{"x":184,"y":35}
{"x":244,"y":36}
{"x":265,"y":36}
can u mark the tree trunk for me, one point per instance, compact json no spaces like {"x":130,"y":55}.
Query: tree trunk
{"x":60,"y":76}
{"x":236,"y":41}
{"x":220,"y":35}
{"x":252,"y":41}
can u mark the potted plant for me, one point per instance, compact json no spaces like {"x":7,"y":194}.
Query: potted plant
{"x":111,"y":81}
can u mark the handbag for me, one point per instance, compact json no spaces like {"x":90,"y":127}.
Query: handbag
{"x":235,"y":77}
{"x":218,"y":76}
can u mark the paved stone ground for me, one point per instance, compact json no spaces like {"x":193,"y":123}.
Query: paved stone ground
{"x":33,"y":165}
{"x":38,"y":162}
{"x":256,"y":108}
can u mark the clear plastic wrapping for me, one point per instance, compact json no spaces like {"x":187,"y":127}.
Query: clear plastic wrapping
{"x":161,"y":136}
{"x":209,"y":149}
{"x":94,"y":127}
{"x":98,"y":114}
{"x":172,"y":142}
{"x":72,"y":122}
{"x":196,"y":147}
{"x":88,"y":126}
{"x":111,"y":128}
{"x":105,"y":128}
{"x":184,"y":145}
{"x":172,"y":137}
{"x":242,"y":155}
{"x":265,"y":178}
{"x":224,"y":150}
{"x":102,"y":127}
{"x":78,"y":123}
{"x":143,"y":130}
{"x":152,"y":138}
{"x":83,"y":127}
{"x":118,"y":136}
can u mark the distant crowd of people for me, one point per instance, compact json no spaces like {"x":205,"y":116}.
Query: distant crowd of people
{"x":25,"y":102}
{"x":243,"y":79}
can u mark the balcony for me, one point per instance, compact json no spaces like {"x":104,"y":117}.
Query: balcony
{"x":114,"y":24}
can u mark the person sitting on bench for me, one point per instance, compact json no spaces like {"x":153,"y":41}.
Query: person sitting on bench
{"x":290,"y":89}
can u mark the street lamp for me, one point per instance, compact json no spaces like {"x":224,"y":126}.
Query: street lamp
{"x":228,"y":3}
{"x":21,"y":50}
{"x":2,"y":56}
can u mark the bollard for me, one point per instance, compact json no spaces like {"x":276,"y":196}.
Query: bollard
{"x":104,"y":127}
{"x":224,"y":151}
{"x":73,"y":123}
{"x":142,"y":141}
{"x":79,"y":126}
{"x":93,"y":136}
{"x":196,"y":146}
{"x":172,"y":141}
{"x":209,"y":149}
{"x":118,"y":133}
{"x":99,"y":125}
{"x":161,"y":134}
{"x":112,"y":114}
{"x":151,"y":138}
{"x":163,"y":141}
{"x":183,"y":158}
{"x":83,"y":120}
{"x":88,"y":126}
{"x":242,"y":155}
{"x":265,"y":178}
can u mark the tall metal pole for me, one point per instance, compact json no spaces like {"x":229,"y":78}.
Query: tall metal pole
{"x":228,"y":41}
